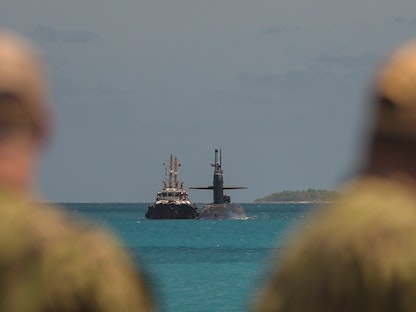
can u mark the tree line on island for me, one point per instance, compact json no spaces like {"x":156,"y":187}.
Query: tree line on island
{"x":310,"y":195}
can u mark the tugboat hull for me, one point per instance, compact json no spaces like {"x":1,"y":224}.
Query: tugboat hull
{"x":172,"y":211}
{"x":172,"y":202}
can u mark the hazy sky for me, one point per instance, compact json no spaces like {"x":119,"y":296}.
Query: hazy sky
{"x":279,"y":86}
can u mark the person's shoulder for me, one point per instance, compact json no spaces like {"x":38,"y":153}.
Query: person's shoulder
{"x":52,"y":230}
{"x":370,"y":206}
{"x":371,"y":198}
{"x":92,"y":256}
{"x":54,"y":225}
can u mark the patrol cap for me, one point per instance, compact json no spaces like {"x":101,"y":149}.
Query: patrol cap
{"x":395,"y":85}
{"x":23,"y":95}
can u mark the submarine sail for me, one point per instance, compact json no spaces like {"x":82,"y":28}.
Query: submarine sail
{"x":221,"y":207}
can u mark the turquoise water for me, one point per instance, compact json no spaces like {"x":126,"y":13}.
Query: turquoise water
{"x":200,"y":265}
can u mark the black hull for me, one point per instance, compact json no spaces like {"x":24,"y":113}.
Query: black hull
{"x":223,"y":212}
{"x":172,"y":211}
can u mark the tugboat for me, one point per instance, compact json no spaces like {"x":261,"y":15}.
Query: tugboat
{"x":221,"y":207}
{"x":172,"y":202}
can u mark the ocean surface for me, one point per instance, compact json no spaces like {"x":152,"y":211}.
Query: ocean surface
{"x":200,"y":265}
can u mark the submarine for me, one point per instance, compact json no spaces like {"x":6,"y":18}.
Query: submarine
{"x":221,"y":208}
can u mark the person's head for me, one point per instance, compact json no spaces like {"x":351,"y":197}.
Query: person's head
{"x":393,"y":137}
{"x":24,"y":108}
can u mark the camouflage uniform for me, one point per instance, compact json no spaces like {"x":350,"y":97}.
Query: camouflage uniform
{"x":50,"y":261}
{"x":359,"y":255}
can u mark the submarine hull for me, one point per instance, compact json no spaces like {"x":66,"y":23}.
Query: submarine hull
{"x":226,"y":211}
{"x":172,"y":211}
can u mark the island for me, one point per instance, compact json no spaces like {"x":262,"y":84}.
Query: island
{"x":308,"y":196}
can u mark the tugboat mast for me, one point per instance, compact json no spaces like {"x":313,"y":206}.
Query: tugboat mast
{"x":176,"y":171}
{"x":172,"y":172}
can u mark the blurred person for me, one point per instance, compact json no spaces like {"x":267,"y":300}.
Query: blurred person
{"x":49,"y":261}
{"x":360,"y":254}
